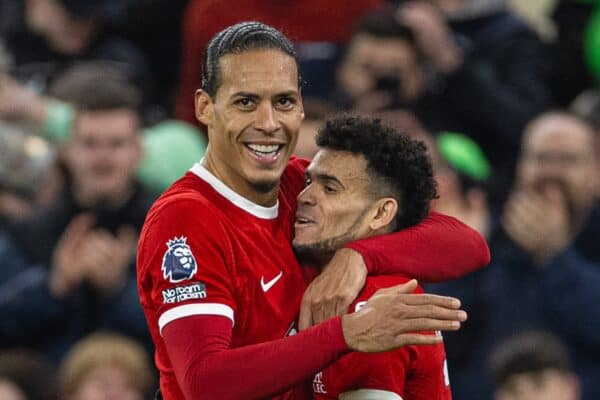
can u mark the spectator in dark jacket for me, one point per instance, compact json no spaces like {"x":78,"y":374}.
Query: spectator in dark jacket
{"x":538,"y":278}
{"x":87,"y":238}
{"x":43,"y":37}
{"x":475,"y":70}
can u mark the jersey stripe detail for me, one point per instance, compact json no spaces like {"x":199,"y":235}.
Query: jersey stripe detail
{"x":369,"y":394}
{"x":239,"y":201}
{"x":188,"y":310}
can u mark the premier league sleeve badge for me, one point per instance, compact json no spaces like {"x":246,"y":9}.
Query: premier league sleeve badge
{"x":178,"y":263}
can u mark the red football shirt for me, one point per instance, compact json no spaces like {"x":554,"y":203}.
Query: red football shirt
{"x":409,"y":373}
{"x":205,"y":250}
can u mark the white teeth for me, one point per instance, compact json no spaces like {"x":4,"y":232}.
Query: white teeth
{"x":264,"y":148}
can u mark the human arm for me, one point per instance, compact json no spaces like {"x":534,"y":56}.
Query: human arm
{"x":512,"y":72}
{"x":199,"y":347}
{"x":440,"y":248}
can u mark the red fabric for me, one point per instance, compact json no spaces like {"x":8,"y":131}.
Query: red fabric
{"x":412,"y":372}
{"x":206,"y":367}
{"x":245,"y":266}
{"x":438,"y":249}
{"x":235,"y":253}
{"x":306,"y":20}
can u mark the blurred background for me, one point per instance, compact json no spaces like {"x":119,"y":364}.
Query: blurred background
{"x":97,"y":118}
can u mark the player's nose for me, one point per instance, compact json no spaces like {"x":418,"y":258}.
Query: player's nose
{"x":266,"y":119}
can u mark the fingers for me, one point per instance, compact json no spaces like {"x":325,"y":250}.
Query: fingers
{"x":332,"y":292}
{"x":407,"y":287}
{"x":431,"y":299}
{"x":77,"y":228}
{"x":330,"y":306}
{"x":428,"y":324}
{"x":416,"y":339}
{"x":305,"y":318}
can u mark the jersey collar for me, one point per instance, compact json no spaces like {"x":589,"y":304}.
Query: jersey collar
{"x":239,"y":201}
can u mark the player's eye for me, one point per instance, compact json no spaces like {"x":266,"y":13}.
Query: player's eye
{"x":307,"y":181}
{"x":245,"y":103}
{"x":286,"y":102}
{"x":329,"y":189}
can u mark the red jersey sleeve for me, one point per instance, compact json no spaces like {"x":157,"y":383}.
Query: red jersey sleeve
{"x":207,"y":368}
{"x":185,"y":263}
{"x":438,"y":249}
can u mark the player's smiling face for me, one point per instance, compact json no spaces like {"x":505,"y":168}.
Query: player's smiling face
{"x":335,"y":206}
{"x":254,"y":120}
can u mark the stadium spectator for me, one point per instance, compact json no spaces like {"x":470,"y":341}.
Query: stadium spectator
{"x":87,"y":236}
{"x":533,"y":366}
{"x":367,"y":180}
{"x":462,"y":179}
{"x":318,"y":29}
{"x":25,"y":375}
{"x":540,"y":276}
{"x":106,"y":366}
{"x":45,"y":36}
{"x":28,"y":181}
{"x":479,"y":71}
{"x":170,"y":146}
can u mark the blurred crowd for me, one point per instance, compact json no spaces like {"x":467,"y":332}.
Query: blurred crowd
{"x":97,"y":118}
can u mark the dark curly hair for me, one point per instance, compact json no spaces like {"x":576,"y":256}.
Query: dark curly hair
{"x":398,"y":166}
{"x":249,"y":35}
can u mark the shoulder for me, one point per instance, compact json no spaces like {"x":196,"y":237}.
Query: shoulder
{"x":181,"y":198}
{"x":182,"y":211}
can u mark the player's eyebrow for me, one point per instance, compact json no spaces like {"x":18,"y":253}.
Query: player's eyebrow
{"x":288,"y":93}
{"x":330,"y":178}
{"x":245,"y":94}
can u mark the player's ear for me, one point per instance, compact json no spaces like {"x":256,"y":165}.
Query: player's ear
{"x":386,"y":211}
{"x":204,"y":107}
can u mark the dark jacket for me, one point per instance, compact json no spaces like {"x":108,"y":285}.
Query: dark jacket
{"x":27,"y":306}
{"x":501,"y":85}
{"x":513,"y":295}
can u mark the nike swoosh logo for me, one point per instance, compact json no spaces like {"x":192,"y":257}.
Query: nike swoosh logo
{"x":268,"y":285}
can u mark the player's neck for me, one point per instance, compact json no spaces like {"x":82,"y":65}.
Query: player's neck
{"x":239,"y":185}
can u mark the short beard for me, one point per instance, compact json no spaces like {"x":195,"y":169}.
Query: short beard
{"x":320,"y":253}
{"x":264,"y":186}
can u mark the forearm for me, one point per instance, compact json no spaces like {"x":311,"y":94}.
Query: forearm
{"x":439,"y":248}
{"x":206,"y":366}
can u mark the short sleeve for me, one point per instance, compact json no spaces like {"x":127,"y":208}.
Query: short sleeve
{"x":185,"y":263}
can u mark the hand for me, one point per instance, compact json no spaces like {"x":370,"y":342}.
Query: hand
{"x":108,"y":256}
{"x":393,"y":316}
{"x":18,"y":101}
{"x":332,"y":292}
{"x":432,"y":34}
{"x":68,"y":269}
{"x":538,"y":222}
